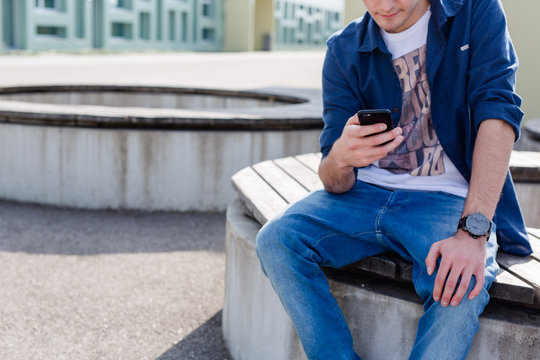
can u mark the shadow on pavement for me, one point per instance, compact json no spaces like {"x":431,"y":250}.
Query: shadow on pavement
{"x":38,"y":229}
{"x":205,"y":342}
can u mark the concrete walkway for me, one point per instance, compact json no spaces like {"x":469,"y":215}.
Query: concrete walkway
{"x":123,"y":285}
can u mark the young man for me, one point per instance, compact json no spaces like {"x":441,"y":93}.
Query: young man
{"x":430,"y":189}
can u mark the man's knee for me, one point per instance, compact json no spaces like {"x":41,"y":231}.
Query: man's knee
{"x":468,"y":308}
{"x":270,"y":241}
{"x":264,"y":240}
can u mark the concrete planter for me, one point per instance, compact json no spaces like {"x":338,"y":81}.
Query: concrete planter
{"x":91,"y":152}
{"x":382,"y":315}
{"x":530,"y":136}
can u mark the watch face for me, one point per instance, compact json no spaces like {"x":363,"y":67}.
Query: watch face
{"x":477,"y":224}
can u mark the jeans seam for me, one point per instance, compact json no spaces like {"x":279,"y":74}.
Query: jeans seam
{"x":316,"y":243}
{"x":421,"y":272}
{"x":378,"y":219}
{"x":342,"y":233}
{"x":310,"y":249}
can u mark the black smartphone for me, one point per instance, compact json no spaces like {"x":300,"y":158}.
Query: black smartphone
{"x":376,"y":116}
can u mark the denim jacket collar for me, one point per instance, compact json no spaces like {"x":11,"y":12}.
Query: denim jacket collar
{"x":441,"y":11}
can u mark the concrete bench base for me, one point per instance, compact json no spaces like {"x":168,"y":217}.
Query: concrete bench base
{"x":382,"y":315}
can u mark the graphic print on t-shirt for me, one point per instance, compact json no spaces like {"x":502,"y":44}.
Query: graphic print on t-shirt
{"x":420,"y":153}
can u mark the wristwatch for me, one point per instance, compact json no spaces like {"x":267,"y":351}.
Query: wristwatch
{"x":476,"y":225}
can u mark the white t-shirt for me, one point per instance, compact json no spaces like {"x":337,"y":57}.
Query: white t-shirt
{"x":419,"y":162}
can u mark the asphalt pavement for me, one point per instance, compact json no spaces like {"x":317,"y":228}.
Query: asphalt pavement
{"x":79,"y":284}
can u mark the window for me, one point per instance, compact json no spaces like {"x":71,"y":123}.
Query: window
{"x":79,"y":14}
{"x":208,"y":34}
{"x":144,"y":26}
{"x":121,"y":30}
{"x":49,"y":4}
{"x":124,"y":4}
{"x":207,"y":9}
{"x":53,"y":31}
{"x":184,"y":34}
{"x":172,"y":25}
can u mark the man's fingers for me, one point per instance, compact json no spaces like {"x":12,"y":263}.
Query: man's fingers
{"x":431,"y":259}
{"x":353,"y":120}
{"x":450,"y":285}
{"x":365,"y":130}
{"x":393,"y":143}
{"x":462,"y":289}
{"x":440,"y":279}
{"x":479,"y":275}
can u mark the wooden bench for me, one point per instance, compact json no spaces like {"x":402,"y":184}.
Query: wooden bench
{"x":266,"y":188}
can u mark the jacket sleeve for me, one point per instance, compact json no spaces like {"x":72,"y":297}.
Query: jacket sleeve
{"x":339,"y":101}
{"x":493,"y":66}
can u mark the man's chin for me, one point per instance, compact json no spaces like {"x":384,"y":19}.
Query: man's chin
{"x":389,"y":25}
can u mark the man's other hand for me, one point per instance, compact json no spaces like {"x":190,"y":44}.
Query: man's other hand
{"x":461,"y":256}
{"x":356,"y":148}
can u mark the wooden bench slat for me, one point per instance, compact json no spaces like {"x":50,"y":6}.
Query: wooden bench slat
{"x":535,"y":244}
{"x":517,"y":158}
{"x":534,"y":238}
{"x":534,"y":232}
{"x":300,"y":173}
{"x":403,"y":268}
{"x":506,"y":287}
{"x":280,"y":181}
{"x":527,"y":159}
{"x":258,"y":197}
{"x":311,"y":160}
{"x":524,"y":165}
{"x":510,"y":288}
{"x":525,"y":268}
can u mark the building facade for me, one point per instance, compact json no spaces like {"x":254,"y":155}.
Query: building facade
{"x":280,"y":24}
{"x":306,"y":23}
{"x":38,"y":25}
{"x":45,"y":24}
{"x":206,"y":25}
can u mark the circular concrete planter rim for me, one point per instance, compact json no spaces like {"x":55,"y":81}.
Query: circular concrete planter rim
{"x":296,"y":113}
{"x":532,"y":127}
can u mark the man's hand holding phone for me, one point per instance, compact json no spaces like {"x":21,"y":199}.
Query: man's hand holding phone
{"x":367,"y":137}
{"x":360,"y":144}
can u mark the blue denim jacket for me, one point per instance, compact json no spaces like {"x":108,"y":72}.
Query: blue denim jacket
{"x":471,"y":67}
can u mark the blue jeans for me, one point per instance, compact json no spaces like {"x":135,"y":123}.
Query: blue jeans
{"x":332,"y":230}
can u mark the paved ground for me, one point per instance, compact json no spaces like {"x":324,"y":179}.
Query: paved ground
{"x":123,"y":285}
{"x":110,"y":285}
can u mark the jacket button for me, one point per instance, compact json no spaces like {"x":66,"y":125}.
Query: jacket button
{"x":396,"y":109}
